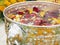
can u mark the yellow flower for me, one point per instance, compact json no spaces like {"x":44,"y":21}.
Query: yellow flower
{"x":58,"y":1}
{"x":47,"y":0}
{"x":13,"y":1}
{"x":2,"y":8}
{"x":21,"y":0}
{"x":6,"y":2}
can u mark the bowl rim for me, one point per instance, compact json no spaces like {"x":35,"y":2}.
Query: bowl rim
{"x":51,"y":26}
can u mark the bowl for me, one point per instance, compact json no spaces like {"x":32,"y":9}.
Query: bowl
{"x":24,"y":34}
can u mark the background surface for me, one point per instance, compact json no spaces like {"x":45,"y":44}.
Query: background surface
{"x":2,"y":34}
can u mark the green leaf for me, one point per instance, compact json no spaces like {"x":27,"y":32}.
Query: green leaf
{"x":1,"y":15}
